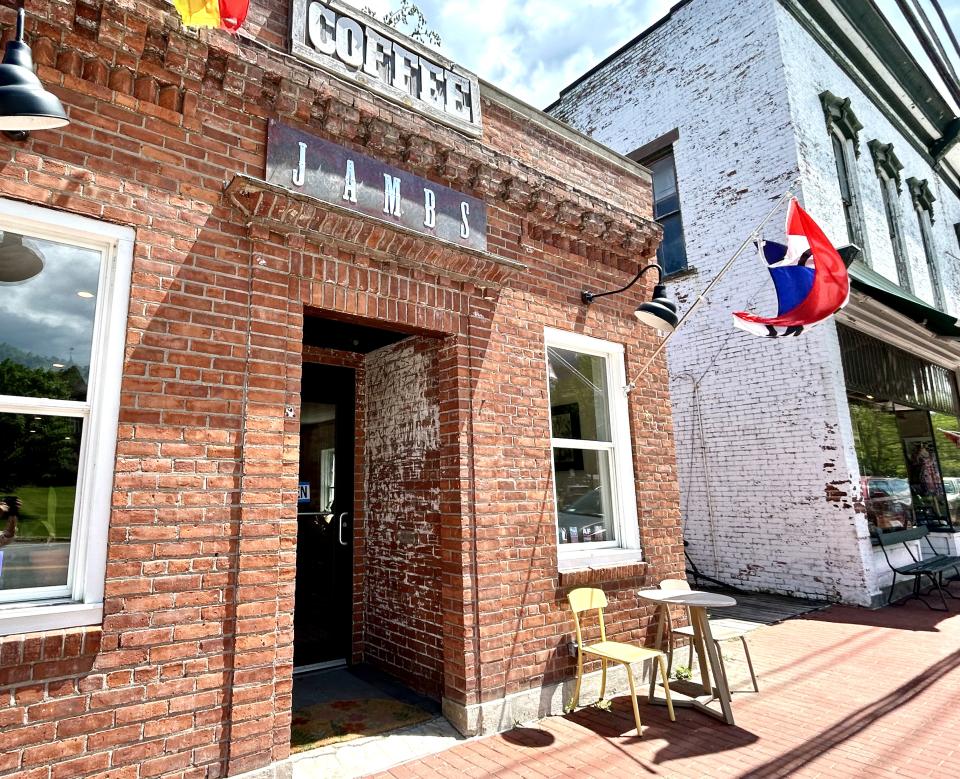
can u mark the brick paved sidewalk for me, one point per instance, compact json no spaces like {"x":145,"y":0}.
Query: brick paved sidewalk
{"x":844,"y":692}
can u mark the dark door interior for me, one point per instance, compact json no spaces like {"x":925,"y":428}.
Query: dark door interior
{"x":322,"y":620}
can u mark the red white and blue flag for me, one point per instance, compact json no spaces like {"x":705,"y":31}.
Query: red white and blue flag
{"x":809,"y":276}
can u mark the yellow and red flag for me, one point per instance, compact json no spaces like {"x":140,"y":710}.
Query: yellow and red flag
{"x":226,"y":14}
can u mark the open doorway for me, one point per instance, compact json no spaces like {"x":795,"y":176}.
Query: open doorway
{"x":366,"y":659}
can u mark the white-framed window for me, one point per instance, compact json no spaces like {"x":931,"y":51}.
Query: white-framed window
{"x":595,"y":499}
{"x":64,"y":293}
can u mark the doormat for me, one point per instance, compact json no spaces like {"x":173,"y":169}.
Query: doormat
{"x":332,"y":722}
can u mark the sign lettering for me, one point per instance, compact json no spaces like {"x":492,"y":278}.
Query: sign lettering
{"x":345,"y":41}
{"x":306,"y":163}
{"x":303,"y":492}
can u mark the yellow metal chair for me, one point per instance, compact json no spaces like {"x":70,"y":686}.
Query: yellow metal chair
{"x":587,"y":599}
{"x":720,"y":629}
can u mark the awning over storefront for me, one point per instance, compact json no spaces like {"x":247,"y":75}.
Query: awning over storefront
{"x":890,"y":294}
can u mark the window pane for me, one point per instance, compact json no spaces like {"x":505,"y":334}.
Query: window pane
{"x":38,"y":465}
{"x":672,"y":254}
{"x":578,"y":395}
{"x":585,"y":507}
{"x":923,"y":468}
{"x":884,"y":477}
{"x":664,"y":178}
{"x":47,"y":305}
{"x":946,"y":429}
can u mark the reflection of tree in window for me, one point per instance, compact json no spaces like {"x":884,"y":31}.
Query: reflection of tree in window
{"x":877,"y":441}
{"x":946,"y":432}
{"x":38,"y":463}
{"x":40,"y":453}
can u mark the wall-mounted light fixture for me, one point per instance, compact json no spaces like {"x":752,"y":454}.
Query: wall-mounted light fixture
{"x":24,"y":104}
{"x":659,"y":312}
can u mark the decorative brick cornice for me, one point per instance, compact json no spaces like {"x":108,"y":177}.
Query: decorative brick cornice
{"x":285,"y":211}
{"x":840,"y":117}
{"x":885,"y":162}
{"x":921,"y":195}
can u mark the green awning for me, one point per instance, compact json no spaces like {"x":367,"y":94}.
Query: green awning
{"x":890,"y":294}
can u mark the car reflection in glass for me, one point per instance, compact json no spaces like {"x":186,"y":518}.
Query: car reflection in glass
{"x":582,"y":520}
{"x":889,"y":502}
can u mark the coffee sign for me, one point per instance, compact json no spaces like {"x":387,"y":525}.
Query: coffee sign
{"x":349,"y":43}
{"x":305,"y":163}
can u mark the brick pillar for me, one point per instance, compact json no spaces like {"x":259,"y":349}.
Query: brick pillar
{"x":456,"y":513}
{"x":260,"y":703}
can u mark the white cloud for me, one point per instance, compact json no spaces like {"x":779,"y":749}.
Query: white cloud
{"x":532,"y":49}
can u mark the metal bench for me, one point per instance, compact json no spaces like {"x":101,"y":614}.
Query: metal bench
{"x":932,"y":567}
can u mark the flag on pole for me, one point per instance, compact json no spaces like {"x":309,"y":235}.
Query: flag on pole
{"x":809,"y":276}
{"x":226,"y":14}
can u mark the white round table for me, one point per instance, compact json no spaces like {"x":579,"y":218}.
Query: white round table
{"x":698,"y":602}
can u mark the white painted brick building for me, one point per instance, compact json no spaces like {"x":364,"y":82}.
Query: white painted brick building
{"x":770,"y":477}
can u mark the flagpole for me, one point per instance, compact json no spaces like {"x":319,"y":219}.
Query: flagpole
{"x":754,"y":235}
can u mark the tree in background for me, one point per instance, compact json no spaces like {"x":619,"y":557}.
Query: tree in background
{"x":409,"y":19}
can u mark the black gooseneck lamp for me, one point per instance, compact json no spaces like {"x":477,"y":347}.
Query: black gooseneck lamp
{"x":24,"y":104}
{"x":659,"y":312}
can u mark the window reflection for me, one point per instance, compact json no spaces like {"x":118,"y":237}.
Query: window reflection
{"x":580,"y":411}
{"x":47,"y":306}
{"x":585,"y":511}
{"x":672,"y":253}
{"x":909,"y":463}
{"x":38,"y":465}
{"x":578,"y":395}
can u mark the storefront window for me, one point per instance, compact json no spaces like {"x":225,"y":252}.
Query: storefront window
{"x":590,"y":442}
{"x":906,"y":435}
{"x":64,"y":282}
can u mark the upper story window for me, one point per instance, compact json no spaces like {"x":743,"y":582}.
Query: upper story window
{"x":888,"y":169}
{"x":590,"y":438}
{"x":923,"y":201}
{"x":65,"y":284}
{"x":844,"y":127}
{"x":672,"y":254}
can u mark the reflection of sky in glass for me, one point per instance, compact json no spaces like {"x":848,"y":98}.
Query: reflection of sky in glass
{"x":43,"y":316}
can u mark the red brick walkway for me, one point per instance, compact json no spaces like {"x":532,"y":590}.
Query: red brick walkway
{"x":845,"y":692}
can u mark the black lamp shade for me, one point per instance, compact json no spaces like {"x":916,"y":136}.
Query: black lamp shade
{"x":660,"y":312}
{"x":24,"y":104}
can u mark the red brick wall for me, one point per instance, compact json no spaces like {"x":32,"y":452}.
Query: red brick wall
{"x":403,"y":624}
{"x":190,"y":674}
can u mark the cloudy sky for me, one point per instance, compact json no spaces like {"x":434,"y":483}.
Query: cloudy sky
{"x":533,"y":48}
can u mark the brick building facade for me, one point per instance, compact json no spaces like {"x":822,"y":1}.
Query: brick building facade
{"x":736,"y":102}
{"x":227,"y":304}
